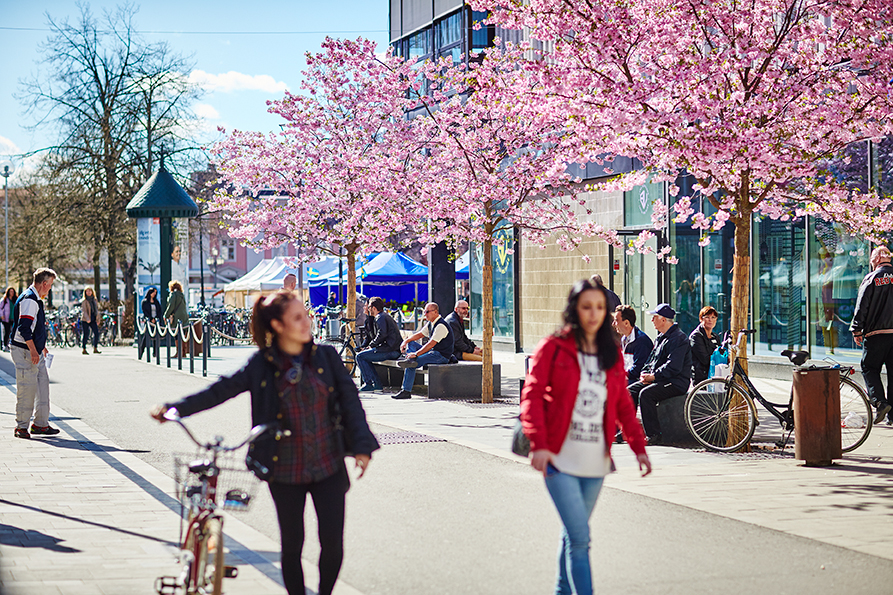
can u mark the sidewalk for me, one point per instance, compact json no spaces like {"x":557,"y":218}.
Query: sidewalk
{"x":80,"y":516}
{"x":77,"y":493}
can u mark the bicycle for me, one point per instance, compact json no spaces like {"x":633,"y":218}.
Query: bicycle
{"x":721,"y":414}
{"x":201,"y":544}
{"x":345,"y":344}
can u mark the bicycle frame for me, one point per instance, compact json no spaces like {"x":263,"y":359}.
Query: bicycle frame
{"x":740,"y":376}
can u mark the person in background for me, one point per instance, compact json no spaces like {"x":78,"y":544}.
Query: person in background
{"x":463,"y":347}
{"x":573,"y":399}
{"x":385,"y":344}
{"x":368,"y":328}
{"x":6,"y":306}
{"x":89,"y":321}
{"x":304,"y":380}
{"x":150,"y":307}
{"x":872,"y":329}
{"x":613,"y":298}
{"x":703,"y":343}
{"x":176,"y":310}
{"x":667,"y":373}
{"x":634,"y":343}
{"x":289,"y":282}
{"x":28,"y":349}
{"x":437,"y":350}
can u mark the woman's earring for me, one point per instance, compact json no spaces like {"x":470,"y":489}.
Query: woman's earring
{"x":269,"y":340}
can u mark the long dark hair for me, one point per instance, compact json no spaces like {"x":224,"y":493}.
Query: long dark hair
{"x":15,"y":294}
{"x":265,"y":311}
{"x":605,"y":339}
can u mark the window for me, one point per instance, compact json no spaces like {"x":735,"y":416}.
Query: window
{"x":483,"y":37}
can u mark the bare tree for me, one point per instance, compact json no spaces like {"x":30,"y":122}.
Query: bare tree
{"x":111,"y":99}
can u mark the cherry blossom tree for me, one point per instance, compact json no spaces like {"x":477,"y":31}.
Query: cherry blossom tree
{"x":494,"y":164}
{"x":754,"y":99}
{"x":341,"y":168}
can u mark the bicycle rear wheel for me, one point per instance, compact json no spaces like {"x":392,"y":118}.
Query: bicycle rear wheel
{"x":345,"y":352}
{"x":720,"y":415}
{"x":855,"y":415}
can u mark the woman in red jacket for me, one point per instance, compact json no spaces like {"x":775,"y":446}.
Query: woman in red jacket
{"x":574,"y":398}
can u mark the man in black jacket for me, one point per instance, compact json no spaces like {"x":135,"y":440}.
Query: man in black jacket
{"x":634,"y":343}
{"x":385,"y":345}
{"x":872,"y":328}
{"x":463,"y":347}
{"x":667,"y":373}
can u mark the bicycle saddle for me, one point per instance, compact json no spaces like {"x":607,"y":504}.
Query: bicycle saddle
{"x":798,"y":358}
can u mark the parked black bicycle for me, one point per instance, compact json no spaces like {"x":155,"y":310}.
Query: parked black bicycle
{"x":721,"y":412}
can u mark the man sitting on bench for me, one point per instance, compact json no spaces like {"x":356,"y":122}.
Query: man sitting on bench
{"x":438,"y":349}
{"x":667,"y":373}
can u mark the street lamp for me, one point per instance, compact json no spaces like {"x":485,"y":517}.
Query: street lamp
{"x":213,"y":262}
{"x":6,"y":169}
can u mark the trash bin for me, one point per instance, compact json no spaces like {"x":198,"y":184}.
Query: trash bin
{"x":817,"y":416}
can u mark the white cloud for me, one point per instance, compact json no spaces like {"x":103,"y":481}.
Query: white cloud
{"x":236,"y":81}
{"x":7,"y":147}
{"x":206,"y":111}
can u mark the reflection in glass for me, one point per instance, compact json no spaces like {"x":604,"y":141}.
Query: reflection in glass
{"x":778,"y":302}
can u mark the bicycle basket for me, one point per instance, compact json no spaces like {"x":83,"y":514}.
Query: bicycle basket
{"x":236,"y":486}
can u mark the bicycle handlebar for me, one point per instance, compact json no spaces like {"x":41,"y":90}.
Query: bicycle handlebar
{"x":173,"y":415}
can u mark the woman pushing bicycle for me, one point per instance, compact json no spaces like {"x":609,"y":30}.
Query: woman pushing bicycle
{"x":574,"y":397}
{"x":303,"y":390}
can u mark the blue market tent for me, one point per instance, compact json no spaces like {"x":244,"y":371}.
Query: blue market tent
{"x":462,"y":265}
{"x":391,"y":275}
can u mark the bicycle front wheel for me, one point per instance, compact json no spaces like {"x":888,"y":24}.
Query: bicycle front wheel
{"x":855,"y":415}
{"x":210,"y":562}
{"x":720,"y":415}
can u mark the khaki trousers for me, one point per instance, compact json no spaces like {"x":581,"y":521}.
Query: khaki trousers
{"x":32,"y":389}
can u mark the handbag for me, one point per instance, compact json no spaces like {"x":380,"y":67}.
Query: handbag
{"x":259,"y":458}
{"x":520,"y":441}
{"x":341,"y":434}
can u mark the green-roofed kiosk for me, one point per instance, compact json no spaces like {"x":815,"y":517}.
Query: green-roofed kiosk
{"x":164,"y":199}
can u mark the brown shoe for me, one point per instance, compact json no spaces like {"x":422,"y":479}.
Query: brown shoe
{"x":96,"y":350}
{"x":85,"y":352}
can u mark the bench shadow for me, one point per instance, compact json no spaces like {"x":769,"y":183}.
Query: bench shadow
{"x":66,"y":517}
{"x":14,"y":537}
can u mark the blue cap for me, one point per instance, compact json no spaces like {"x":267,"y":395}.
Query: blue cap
{"x":664,"y":310}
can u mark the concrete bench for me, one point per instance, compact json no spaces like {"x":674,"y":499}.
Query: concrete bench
{"x":444,"y":381}
{"x":673,"y":429}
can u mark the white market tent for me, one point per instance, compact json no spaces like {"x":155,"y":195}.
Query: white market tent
{"x":267,"y":277}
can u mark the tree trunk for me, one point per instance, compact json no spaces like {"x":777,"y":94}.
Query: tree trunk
{"x":740,"y":301}
{"x":113,"y":279}
{"x":96,"y":271}
{"x":351,"y":285}
{"x":487,"y":292}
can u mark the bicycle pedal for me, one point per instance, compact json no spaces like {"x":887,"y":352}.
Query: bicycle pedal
{"x":166,"y":585}
{"x":230,"y":572}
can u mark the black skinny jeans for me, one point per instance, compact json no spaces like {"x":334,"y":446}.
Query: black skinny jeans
{"x":328,"y":500}
{"x":7,"y":327}
{"x":89,"y":326}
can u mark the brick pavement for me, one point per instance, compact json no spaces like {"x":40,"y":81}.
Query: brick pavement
{"x":79,"y":516}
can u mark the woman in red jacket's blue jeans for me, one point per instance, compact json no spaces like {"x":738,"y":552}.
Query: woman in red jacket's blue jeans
{"x":574,"y":398}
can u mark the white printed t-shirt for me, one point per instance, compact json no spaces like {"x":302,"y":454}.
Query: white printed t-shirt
{"x":584,"y":452}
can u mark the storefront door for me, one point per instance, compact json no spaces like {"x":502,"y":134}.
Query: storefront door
{"x":641,"y":283}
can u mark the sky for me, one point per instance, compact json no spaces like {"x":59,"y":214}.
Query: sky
{"x":244,"y":53}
